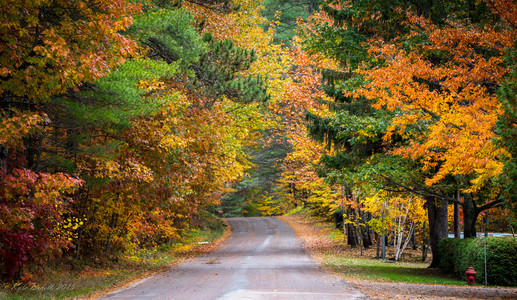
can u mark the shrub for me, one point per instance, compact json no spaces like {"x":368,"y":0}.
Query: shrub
{"x":447,"y":248}
{"x":459,"y":255}
{"x":502,"y":261}
{"x":469,"y":253}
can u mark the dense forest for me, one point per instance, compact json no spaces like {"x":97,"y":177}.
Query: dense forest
{"x":125,"y":123}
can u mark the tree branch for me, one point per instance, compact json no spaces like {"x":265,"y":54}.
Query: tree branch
{"x":422,"y":192}
{"x":493,"y":204}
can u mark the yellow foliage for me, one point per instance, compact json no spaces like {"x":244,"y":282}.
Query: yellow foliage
{"x":268,"y":207}
{"x":392,"y":206}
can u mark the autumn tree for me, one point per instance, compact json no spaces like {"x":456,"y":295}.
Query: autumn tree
{"x":353,"y":129}
{"x":444,"y":92}
{"x":47,"y":47}
{"x":507,"y":120}
{"x":155,"y":132}
{"x":367,"y":128}
{"x":32,"y":227}
{"x":180,"y":139}
{"x":51,"y":46}
{"x":400,"y":213}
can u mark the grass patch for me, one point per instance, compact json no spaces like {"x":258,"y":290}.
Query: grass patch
{"x":376,"y":270}
{"x":72,"y":278}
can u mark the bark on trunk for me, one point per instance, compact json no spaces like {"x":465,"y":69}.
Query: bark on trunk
{"x":365,"y":238}
{"x":352,"y":239}
{"x":438,"y":226}
{"x":378,"y":239}
{"x":338,"y":219}
{"x":350,"y":227}
{"x":470,"y":215}
{"x":457,"y":226}
{"x":413,"y":237}
{"x":424,"y":243}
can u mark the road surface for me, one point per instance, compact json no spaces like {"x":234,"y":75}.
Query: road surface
{"x":262,"y":259}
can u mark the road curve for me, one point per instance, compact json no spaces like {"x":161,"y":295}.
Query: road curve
{"x":262,"y":259}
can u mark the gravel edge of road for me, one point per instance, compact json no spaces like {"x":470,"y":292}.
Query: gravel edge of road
{"x":393,"y":290}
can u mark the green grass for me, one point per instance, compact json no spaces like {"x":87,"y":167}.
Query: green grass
{"x":71,"y":278}
{"x":377,"y":270}
{"x":296,"y":210}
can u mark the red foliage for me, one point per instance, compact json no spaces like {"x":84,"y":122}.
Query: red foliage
{"x":31,"y":217}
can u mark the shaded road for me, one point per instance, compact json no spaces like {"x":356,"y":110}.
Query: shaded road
{"x":262,"y":259}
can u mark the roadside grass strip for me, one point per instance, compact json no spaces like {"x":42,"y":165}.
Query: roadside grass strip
{"x":377,"y":270}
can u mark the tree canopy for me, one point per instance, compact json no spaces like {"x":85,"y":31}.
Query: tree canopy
{"x":123,"y":123}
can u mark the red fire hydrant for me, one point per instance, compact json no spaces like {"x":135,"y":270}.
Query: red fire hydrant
{"x":471,"y":276}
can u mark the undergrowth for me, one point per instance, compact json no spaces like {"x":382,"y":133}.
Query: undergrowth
{"x":71,"y":278}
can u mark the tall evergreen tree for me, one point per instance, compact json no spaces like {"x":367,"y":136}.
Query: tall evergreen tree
{"x":507,"y":129}
{"x":286,"y":14}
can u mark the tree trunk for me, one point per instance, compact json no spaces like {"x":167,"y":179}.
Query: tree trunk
{"x":312,"y":5}
{"x":352,"y":240}
{"x":400,"y":224}
{"x":338,"y":219}
{"x":399,"y":247}
{"x":378,"y":239}
{"x":424,"y":243}
{"x":368,"y":237}
{"x":470,"y":215}
{"x":78,"y":242}
{"x":350,"y":227}
{"x":457,"y":225}
{"x":413,"y":236}
{"x":487,"y":220}
{"x":364,"y":230}
{"x":113,"y":222}
{"x":438,"y":226}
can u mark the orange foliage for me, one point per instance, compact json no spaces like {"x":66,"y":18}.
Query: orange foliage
{"x":448,"y":109}
{"x":48,"y":46}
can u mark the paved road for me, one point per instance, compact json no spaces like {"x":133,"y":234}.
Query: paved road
{"x":262,"y":259}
